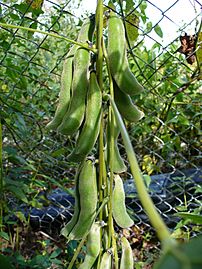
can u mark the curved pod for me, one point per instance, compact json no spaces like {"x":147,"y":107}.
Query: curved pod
{"x":127,"y":255}
{"x":93,"y":246}
{"x":70,"y":225}
{"x":118,"y":163}
{"x":106,"y":261}
{"x":85,"y":34}
{"x":119,"y":212}
{"x":88,"y":200}
{"x":118,"y":61}
{"x":65,"y":91}
{"x":75,"y":114}
{"x":125,"y":105}
{"x":91,"y":127}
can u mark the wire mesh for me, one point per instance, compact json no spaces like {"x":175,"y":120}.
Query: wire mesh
{"x":166,"y":140}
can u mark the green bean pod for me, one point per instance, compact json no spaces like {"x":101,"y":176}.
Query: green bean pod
{"x":125,"y":105}
{"x":93,"y":246}
{"x":88,"y":200}
{"x":86,"y":33}
{"x":87,"y":30}
{"x":127,"y":255}
{"x":118,"y":163}
{"x":65,"y":90}
{"x":118,"y":61}
{"x":106,"y":261}
{"x":119,"y":212}
{"x":75,"y":113}
{"x":70,"y":225}
{"x":91,"y":127}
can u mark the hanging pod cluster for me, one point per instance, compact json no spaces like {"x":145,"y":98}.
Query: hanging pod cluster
{"x":80,"y":98}
{"x":79,"y":111}
{"x":125,"y":83}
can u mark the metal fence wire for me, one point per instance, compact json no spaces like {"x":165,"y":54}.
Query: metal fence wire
{"x":166,"y":140}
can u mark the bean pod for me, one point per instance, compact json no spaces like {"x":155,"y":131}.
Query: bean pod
{"x":106,"y":261}
{"x":118,"y":163}
{"x":70,"y":225}
{"x":119,"y":212}
{"x":65,"y":90}
{"x":125,"y":105}
{"x":118,"y":61}
{"x":93,"y":246}
{"x":88,"y":200}
{"x":90,"y":130}
{"x":75,"y":113}
{"x":127,"y":255}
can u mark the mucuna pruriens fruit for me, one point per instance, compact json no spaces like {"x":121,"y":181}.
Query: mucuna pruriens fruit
{"x":118,"y":61}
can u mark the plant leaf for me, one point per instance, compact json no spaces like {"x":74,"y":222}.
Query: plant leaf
{"x":194,"y":218}
{"x":5,"y":262}
{"x":18,"y":193}
{"x":158,"y":30}
{"x":129,"y":5}
{"x":132,"y":23}
{"x":186,"y":256}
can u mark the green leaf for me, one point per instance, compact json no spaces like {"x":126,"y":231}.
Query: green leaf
{"x":5,"y":45}
{"x":58,"y":152}
{"x":21,"y":7}
{"x":194,"y":218}
{"x":56,"y":253}
{"x":5,"y":262}
{"x":132,"y":23}
{"x":158,"y":30}
{"x":34,"y":25}
{"x":147,"y":180}
{"x":111,"y":5}
{"x":186,"y":256}
{"x":14,"y":17}
{"x":21,"y":216}
{"x":18,"y":193}
{"x":129,"y":5}
{"x":143,"y":6}
{"x":183,"y":120}
{"x":4,"y":235}
{"x":149,"y":27}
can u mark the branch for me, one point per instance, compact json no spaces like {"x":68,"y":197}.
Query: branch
{"x":83,"y":45}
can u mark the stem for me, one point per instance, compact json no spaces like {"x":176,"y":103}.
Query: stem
{"x":99,"y":64}
{"x":101,"y":165}
{"x":111,"y":162}
{"x":198,"y":63}
{"x":99,"y":28}
{"x":155,"y":219}
{"x":83,"y":45}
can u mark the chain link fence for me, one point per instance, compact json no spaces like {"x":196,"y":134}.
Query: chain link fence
{"x":166,"y":140}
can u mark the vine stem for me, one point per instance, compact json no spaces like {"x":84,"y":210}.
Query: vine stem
{"x":83,"y":45}
{"x":102,"y":180}
{"x":157,"y":222}
{"x":99,"y":63}
{"x":111,"y":160}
